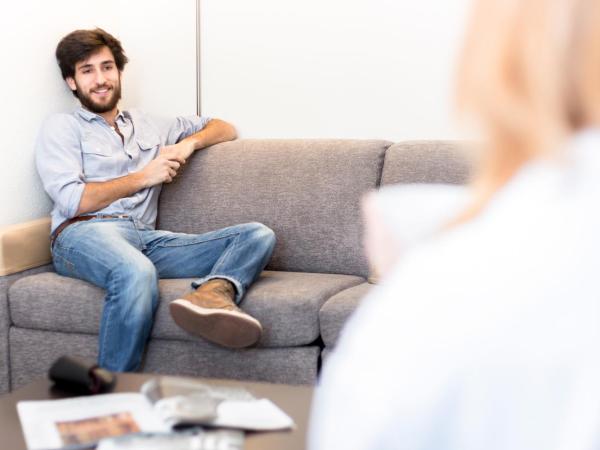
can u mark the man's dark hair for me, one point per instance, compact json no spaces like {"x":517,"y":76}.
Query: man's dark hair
{"x":81,"y":44}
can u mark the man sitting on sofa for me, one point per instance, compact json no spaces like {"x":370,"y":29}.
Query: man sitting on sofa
{"x":104,"y":169}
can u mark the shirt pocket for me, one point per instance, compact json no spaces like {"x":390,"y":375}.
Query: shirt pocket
{"x":91,"y":145}
{"x":148,"y":141}
{"x":99,"y":162}
{"x":147,"y":147}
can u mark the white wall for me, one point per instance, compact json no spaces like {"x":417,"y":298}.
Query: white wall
{"x":159,"y":38}
{"x":331,"y":68}
{"x":317,"y":68}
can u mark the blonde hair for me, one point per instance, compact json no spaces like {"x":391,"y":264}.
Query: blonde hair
{"x":530,"y":75}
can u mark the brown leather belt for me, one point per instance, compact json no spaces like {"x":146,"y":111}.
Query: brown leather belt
{"x":68,"y":222}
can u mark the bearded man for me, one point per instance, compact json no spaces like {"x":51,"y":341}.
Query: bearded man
{"x":104,"y":168}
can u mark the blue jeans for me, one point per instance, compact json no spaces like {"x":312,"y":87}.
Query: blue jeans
{"x":127,"y":259}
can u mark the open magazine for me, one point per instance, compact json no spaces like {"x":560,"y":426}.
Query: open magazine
{"x":163,"y":405}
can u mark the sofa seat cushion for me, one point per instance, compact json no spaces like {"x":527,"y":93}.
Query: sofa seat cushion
{"x":338,"y":309}
{"x":286,"y":303}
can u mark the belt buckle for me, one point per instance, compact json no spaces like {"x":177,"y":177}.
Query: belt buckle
{"x":111,"y":216}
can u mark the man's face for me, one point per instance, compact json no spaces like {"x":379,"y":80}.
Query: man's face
{"x":97,"y":82}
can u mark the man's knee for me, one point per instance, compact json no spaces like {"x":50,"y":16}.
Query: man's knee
{"x":261,"y":233}
{"x":139,"y":277}
{"x":137,"y":270}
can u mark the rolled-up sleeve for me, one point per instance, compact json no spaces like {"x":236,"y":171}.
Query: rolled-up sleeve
{"x":172,"y":130}
{"x":59,"y":164}
{"x":185,"y":126}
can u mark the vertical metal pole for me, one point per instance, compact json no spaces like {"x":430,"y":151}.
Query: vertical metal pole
{"x":198,"y":55}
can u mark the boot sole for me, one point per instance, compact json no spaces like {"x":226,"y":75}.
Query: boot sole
{"x":230,"y":329}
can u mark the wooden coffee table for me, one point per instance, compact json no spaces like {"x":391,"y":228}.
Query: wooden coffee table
{"x":294,"y":400}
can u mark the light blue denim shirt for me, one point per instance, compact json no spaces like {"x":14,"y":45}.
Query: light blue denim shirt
{"x":79,"y":147}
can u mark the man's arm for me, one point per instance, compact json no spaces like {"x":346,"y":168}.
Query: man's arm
{"x":162,"y":169}
{"x":98,"y":195}
{"x":215,"y":131}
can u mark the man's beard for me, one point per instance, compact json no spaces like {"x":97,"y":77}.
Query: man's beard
{"x":99,"y":108}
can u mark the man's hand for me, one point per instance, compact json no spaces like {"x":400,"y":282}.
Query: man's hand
{"x":101,"y":194}
{"x":179,"y":152}
{"x":161,"y":169}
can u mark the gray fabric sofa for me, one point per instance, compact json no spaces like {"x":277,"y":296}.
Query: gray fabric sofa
{"x":307,"y":191}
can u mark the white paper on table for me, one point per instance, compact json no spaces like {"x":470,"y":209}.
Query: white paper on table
{"x":39,"y":418}
{"x":257,"y":415}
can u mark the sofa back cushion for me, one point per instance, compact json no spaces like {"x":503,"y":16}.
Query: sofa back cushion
{"x":447,"y":162}
{"x":307,"y":191}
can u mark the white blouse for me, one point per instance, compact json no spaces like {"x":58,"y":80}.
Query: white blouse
{"x":486,"y":336}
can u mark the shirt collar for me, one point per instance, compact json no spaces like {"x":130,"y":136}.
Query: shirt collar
{"x":121,"y":116}
{"x":89,"y":116}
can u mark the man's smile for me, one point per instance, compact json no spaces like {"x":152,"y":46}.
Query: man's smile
{"x":100,"y":98}
{"x":102,"y":91}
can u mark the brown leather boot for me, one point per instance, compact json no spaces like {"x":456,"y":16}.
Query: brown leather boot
{"x":211,"y":313}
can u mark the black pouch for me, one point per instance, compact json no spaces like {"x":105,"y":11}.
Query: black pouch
{"x":80,"y":376}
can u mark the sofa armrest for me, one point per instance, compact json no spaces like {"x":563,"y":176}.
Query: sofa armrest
{"x":24,"y":246}
{"x":24,"y":250}
{"x":5,"y":321}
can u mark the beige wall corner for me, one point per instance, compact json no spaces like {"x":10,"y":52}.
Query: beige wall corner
{"x":24,"y":246}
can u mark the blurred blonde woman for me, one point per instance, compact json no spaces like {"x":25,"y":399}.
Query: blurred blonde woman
{"x":486,"y":334}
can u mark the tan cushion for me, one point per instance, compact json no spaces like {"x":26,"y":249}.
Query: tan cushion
{"x":24,"y":246}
